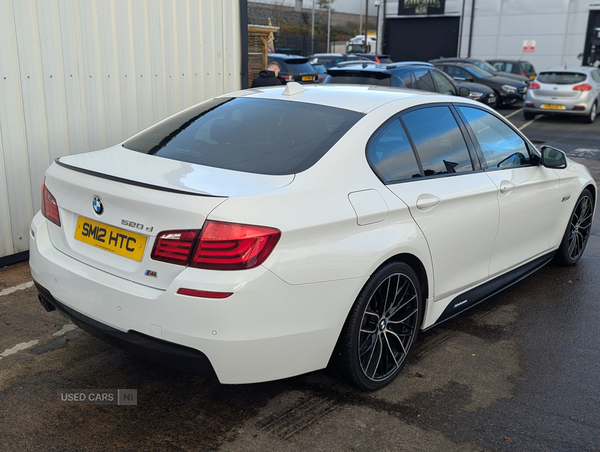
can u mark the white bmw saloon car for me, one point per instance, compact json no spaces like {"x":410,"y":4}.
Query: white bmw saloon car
{"x":272,"y":232}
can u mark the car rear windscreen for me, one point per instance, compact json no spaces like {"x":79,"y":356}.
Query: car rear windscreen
{"x":299,"y":66}
{"x":359,"y":78}
{"x":527,"y":66}
{"x":561,"y":78}
{"x":261,"y":136}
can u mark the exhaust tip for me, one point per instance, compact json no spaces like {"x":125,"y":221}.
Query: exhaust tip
{"x":49,"y":307}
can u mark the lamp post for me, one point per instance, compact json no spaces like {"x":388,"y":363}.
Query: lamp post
{"x":329,"y":26}
{"x":312,"y":40}
{"x":377,"y":46}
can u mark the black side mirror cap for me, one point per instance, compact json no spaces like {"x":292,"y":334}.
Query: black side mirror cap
{"x":553,"y":158}
{"x":464,"y":92}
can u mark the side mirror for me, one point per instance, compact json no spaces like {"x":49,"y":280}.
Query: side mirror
{"x":553,"y":158}
{"x":464,"y":92}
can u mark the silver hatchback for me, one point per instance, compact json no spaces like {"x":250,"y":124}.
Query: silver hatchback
{"x":564,"y":90}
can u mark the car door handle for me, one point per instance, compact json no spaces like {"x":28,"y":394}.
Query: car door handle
{"x":427,"y":202}
{"x":506,"y":187}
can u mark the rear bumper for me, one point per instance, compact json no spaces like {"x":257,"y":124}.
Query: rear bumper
{"x":267,"y":330}
{"x":568,"y":111}
{"x":162,"y":352}
{"x":570,"y":104}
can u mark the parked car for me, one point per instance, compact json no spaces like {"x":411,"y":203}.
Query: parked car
{"x":321,"y":70}
{"x":295,"y":68}
{"x":332,"y":59}
{"x":272,"y":232}
{"x":481,"y":93}
{"x":524,"y":68}
{"x":507,"y":90}
{"x":564,"y":91}
{"x":408,"y":74}
{"x":486,"y":66}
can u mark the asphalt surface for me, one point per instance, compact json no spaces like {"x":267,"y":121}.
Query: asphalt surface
{"x":518,"y":372}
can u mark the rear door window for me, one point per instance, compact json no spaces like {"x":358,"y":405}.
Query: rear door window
{"x":439,"y":142}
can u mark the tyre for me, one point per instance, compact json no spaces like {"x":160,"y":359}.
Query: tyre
{"x":578,"y":231}
{"x":381,"y":329}
{"x":591,"y":117}
{"x":528,"y":116}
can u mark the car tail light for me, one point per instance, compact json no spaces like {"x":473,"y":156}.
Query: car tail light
{"x":218,"y":246}
{"x":289,"y":78}
{"x":174,"y":247}
{"x":377,"y":59}
{"x":583,"y":87}
{"x":229,"y":246}
{"x":534,"y":85}
{"x":523,"y":74}
{"x":49,"y":206}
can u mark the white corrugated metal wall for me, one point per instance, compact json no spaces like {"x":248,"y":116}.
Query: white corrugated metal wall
{"x":81,"y":75}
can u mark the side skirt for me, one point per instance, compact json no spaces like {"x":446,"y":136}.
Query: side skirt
{"x":472,"y":297}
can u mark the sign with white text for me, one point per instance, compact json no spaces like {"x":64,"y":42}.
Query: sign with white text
{"x":529,"y":46}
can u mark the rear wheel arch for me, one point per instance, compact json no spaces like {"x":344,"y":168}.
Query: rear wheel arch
{"x":415,"y":263}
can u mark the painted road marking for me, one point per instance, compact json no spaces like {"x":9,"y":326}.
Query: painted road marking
{"x":514,"y":113}
{"x":14,"y":289}
{"x":586,"y":153}
{"x":526,"y":124}
{"x":18,"y":348}
{"x":65,"y":329}
{"x":25,"y":345}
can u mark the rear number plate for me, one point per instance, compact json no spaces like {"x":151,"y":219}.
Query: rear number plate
{"x":116,"y":240}
{"x":553,"y":107}
{"x":307,"y":78}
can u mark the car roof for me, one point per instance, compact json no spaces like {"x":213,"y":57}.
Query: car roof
{"x":586,"y":69}
{"x":455,"y":59}
{"x":508,"y":61}
{"x":371,"y":66}
{"x":322,"y":55}
{"x":284,"y":56}
{"x":359,"y":98}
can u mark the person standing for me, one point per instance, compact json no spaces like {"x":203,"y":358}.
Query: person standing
{"x":268,"y":77}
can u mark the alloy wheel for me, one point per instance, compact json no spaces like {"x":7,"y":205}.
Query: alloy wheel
{"x":388,"y":327}
{"x":579,"y":227}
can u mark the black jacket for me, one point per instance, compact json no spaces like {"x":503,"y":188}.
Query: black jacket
{"x":265,"y":78}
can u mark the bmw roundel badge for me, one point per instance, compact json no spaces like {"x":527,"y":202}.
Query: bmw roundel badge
{"x":97,"y":205}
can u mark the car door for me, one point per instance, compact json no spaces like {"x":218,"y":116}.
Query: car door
{"x":528,"y":193}
{"x":423,"y":158}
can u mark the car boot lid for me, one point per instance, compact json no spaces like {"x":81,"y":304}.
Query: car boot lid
{"x":118,"y":163}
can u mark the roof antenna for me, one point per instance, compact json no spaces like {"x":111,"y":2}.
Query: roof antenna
{"x":293,"y":88}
